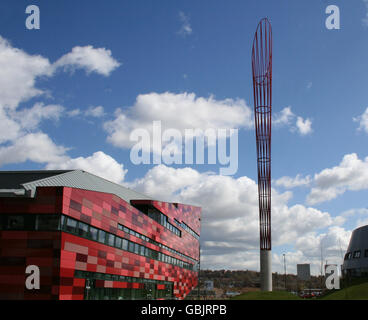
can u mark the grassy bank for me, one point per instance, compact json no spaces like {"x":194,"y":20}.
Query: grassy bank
{"x":356,"y":292}
{"x":274,"y":295}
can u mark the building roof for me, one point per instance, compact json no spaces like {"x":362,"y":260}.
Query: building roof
{"x":12,"y":181}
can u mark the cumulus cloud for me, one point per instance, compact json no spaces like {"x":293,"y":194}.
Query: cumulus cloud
{"x":363,"y":121}
{"x":98,"y":163}
{"x":230,"y":225}
{"x":9,"y":128}
{"x":36,"y":147}
{"x":30,"y":118}
{"x":19,"y":72}
{"x":296,"y":123}
{"x":90,"y":59}
{"x":177,"y":111}
{"x":96,"y":112}
{"x":289,"y":182}
{"x":304,"y":127}
{"x":20,"y":137}
{"x":350,"y":174}
{"x":284,"y":117}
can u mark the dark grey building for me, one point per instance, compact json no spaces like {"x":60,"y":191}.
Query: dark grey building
{"x":356,"y":257}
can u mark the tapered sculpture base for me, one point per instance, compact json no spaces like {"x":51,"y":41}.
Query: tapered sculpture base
{"x":266,"y":270}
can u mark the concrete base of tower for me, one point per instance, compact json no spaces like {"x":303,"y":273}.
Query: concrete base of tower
{"x":266,"y":270}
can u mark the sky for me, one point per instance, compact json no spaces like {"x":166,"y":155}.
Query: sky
{"x":73,"y":91}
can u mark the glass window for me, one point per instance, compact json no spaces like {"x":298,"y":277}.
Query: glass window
{"x":15,"y":222}
{"x":82,"y":229}
{"x":30,"y":222}
{"x":3,"y":222}
{"x":110,"y":239}
{"x":142,"y":251}
{"x":131,"y":246}
{"x":101,"y":236}
{"x":118,"y":242}
{"x":48,"y":222}
{"x":125,"y":244}
{"x":71,"y":225}
{"x":120,"y":227}
{"x":136,"y":248}
{"x":366,"y":253}
{"x":62,"y":222}
{"x":93,"y":233}
{"x":356,"y":254}
{"x":349,"y":255}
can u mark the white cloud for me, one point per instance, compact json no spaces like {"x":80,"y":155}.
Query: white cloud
{"x":74,"y":112}
{"x":9,"y":128}
{"x":186,"y":28}
{"x":179,"y":111}
{"x":230,"y":222}
{"x":95,"y":112}
{"x":19,"y":72}
{"x":284,"y":117}
{"x":36,"y":147}
{"x":91,"y":59}
{"x":287,"y":118}
{"x":350,"y":174}
{"x":30,"y":118}
{"x":363,"y":120}
{"x":304,"y":127}
{"x":98,"y":163}
{"x":289,"y":182}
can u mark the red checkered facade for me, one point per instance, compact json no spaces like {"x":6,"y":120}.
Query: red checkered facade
{"x":60,"y":255}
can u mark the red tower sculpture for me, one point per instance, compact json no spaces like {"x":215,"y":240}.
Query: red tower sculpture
{"x":262,"y":89}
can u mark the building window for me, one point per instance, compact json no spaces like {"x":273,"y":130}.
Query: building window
{"x":93,"y":233}
{"x":131,"y":246}
{"x":349,"y":255}
{"x":125,"y":245}
{"x":71,"y":225}
{"x":356,"y":254}
{"x":82,"y":229}
{"x":101,"y":236}
{"x":110,"y":239}
{"x":118,"y":242}
{"x":16,"y":222}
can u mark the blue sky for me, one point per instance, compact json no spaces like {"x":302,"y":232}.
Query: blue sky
{"x":167,"y":51}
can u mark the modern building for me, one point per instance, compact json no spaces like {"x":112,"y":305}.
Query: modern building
{"x":93,"y":239}
{"x":356,"y":258}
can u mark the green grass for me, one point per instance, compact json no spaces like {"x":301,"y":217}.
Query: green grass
{"x":356,"y":292}
{"x":274,"y":295}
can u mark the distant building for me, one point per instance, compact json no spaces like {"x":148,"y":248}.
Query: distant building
{"x":208,"y":285}
{"x":356,"y":257}
{"x":303,"y":271}
{"x":93,"y":239}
